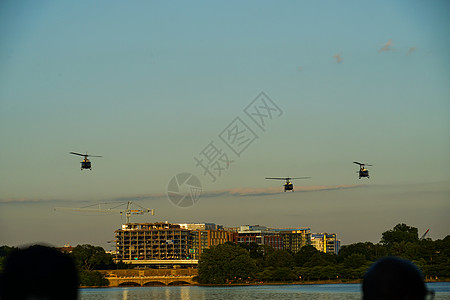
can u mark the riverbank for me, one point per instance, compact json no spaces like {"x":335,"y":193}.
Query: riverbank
{"x":337,"y":281}
{"x":318,"y":282}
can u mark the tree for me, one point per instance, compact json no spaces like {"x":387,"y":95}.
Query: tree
{"x":255,"y":250}
{"x":4,"y":252}
{"x":318,"y":259}
{"x":92,"y":278}
{"x":279,"y":259}
{"x":355,"y":261}
{"x":225,"y":263}
{"x":88,"y":258}
{"x":304,"y":255}
{"x":400,"y":233}
{"x":368,"y":249}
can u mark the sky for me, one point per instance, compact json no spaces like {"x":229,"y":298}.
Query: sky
{"x":249,"y":90}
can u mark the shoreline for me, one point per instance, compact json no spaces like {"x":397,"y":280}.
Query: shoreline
{"x":355,"y":281}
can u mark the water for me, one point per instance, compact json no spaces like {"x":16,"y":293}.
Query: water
{"x":261,"y":292}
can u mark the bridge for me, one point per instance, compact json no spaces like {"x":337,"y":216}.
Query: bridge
{"x":149,"y":277}
{"x":149,"y":280}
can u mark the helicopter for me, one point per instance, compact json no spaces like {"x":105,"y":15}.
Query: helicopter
{"x":362,"y":171}
{"x":288,"y":186}
{"x":85,"y":164}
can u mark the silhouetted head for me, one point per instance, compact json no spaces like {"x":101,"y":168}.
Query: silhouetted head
{"x":39,"y":272}
{"x":393,"y":278}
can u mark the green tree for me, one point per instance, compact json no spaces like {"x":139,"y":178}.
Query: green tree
{"x":329,"y":272}
{"x":255,"y":250}
{"x":304,"y":255}
{"x":266,"y":275}
{"x":370,"y":251}
{"x":283,"y":274}
{"x":318,"y":259}
{"x":88,"y":258}
{"x":92,"y":278}
{"x":400,"y":233}
{"x":224,"y":263}
{"x":280,"y":258}
{"x":4,"y":252}
{"x":354,"y":261}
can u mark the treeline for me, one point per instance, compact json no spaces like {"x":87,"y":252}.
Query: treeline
{"x":87,"y":258}
{"x":231,"y":263}
{"x":237,"y":263}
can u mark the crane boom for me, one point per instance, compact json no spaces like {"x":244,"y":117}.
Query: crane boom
{"x":423,"y":236}
{"x":128,"y":211}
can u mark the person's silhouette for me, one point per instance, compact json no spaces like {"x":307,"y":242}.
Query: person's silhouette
{"x":39,"y":272}
{"x":393,"y":278}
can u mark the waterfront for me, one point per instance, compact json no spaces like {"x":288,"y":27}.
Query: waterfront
{"x":262,"y":292}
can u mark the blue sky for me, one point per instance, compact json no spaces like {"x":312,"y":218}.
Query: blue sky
{"x":148,"y":85}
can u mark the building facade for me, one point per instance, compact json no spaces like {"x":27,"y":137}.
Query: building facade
{"x":151,"y":241}
{"x":294,"y":238}
{"x":203,"y":239}
{"x":259,"y":235}
{"x":326,"y":242}
{"x":166,"y":243}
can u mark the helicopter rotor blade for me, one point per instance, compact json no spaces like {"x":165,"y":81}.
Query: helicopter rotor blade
{"x":78,"y":154}
{"x":362,"y":164}
{"x":277,"y":178}
{"x":301,"y":177}
{"x":85,"y":155}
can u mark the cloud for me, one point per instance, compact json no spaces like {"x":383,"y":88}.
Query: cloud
{"x":239,"y":192}
{"x":138,"y":197}
{"x":387,"y":47}
{"x":26,"y":200}
{"x":338,"y":57}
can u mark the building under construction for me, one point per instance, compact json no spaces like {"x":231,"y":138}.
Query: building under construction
{"x":161,"y":244}
{"x":141,"y":242}
{"x":180,"y":245}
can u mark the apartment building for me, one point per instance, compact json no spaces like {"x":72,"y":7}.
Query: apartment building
{"x":326,"y":242}
{"x":203,"y":239}
{"x":294,"y":238}
{"x":260,"y":235}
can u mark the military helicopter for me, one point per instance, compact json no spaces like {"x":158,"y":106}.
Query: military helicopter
{"x":288,"y":186}
{"x":362,"y":171}
{"x":85,"y":164}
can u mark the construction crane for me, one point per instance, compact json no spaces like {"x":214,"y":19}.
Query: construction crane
{"x":423,"y":236}
{"x":97,"y":208}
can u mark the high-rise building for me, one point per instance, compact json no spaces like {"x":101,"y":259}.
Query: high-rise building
{"x":326,"y":242}
{"x":259,"y":235}
{"x":203,"y":239}
{"x":151,"y":241}
{"x":294,"y":238}
{"x":166,"y":243}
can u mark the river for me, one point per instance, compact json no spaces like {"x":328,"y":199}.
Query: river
{"x":261,"y":292}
